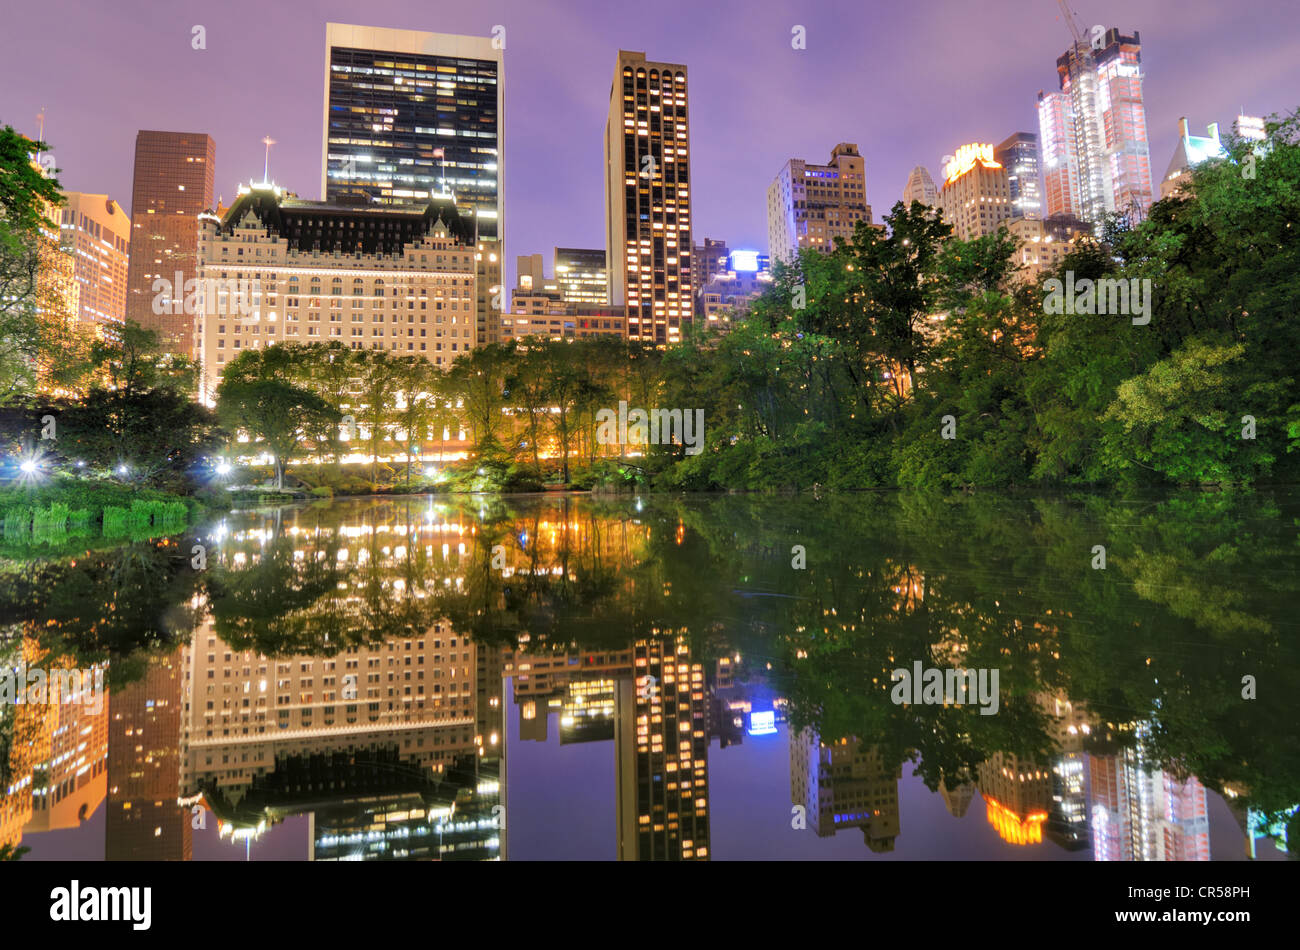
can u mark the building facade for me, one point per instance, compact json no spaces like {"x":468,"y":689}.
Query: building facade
{"x":172,"y":185}
{"x":410,"y":115}
{"x":920,"y":187}
{"x":648,"y":197}
{"x":582,"y":275}
{"x":97,"y":232}
{"x":976,"y":193}
{"x":396,"y":279}
{"x":813,"y":205}
{"x":1018,"y":154}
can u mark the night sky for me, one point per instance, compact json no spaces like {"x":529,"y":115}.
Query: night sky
{"x":906,"y":81}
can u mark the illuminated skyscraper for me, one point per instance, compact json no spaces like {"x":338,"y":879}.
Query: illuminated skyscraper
{"x":648,"y":197}
{"x":1094,"y":135}
{"x":172,"y":186}
{"x":976,"y":193}
{"x":410,"y":115}
{"x":813,"y":205}
{"x":582,"y":275}
{"x":98,"y":232}
{"x":1018,"y":154}
{"x":662,"y":748}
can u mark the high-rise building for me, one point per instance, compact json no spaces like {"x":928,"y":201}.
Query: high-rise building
{"x":1018,"y":154}
{"x":410,"y":115}
{"x":662,"y":751}
{"x":171,"y":187}
{"x":976,"y":193}
{"x":920,"y":187}
{"x":98,"y":233}
{"x":813,"y":205}
{"x":648,"y":197}
{"x":582,"y":275}
{"x":377,"y":278}
{"x":1094,"y":134}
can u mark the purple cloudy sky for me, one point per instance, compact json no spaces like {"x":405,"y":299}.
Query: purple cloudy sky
{"x":907,"y":81}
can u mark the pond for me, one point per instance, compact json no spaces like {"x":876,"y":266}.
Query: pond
{"x":666,"y":678}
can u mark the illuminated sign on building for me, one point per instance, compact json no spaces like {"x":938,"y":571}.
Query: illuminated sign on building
{"x":746,"y":261}
{"x":762,"y":723}
{"x":965,"y":159}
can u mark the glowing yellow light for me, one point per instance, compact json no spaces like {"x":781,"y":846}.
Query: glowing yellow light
{"x":965,"y":160}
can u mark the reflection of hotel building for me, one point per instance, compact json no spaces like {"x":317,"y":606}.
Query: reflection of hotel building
{"x":145,"y":823}
{"x":662,"y":753}
{"x":1140,"y":813}
{"x":581,"y":686}
{"x":245,"y":713}
{"x":845,"y":784}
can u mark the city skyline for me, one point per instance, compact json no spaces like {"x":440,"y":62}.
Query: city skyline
{"x":560,"y":100}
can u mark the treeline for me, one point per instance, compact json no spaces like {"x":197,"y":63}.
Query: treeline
{"x":913,"y":360}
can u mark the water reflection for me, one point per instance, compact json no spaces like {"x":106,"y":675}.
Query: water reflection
{"x":349,"y":681}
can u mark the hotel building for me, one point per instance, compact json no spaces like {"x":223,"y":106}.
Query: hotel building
{"x":813,"y":205}
{"x":97,"y":232}
{"x":409,"y":116}
{"x":648,"y":198}
{"x":976,"y":193}
{"x":1093,"y":132}
{"x":171,"y":187}
{"x":380,"y":278}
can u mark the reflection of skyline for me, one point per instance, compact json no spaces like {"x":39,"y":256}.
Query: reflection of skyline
{"x":423,"y":744}
{"x":1142,"y":813}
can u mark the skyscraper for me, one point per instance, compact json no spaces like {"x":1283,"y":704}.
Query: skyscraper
{"x":98,"y":232}
{"x":582,"y":275}
{"x":648,"y":197}
{"x":410,"y":115}
{"x":920,"y":187}
{"x":172,"y":186}
{"x":812,"y":205}
{"x":1094,"y":135}
{"x":1018,"y":154}
{"x":976,"y":193}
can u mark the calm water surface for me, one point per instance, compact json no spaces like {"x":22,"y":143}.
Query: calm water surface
{"x":664,"y":678}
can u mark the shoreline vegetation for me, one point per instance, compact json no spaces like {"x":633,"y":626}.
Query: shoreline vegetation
{"x":903,"y":359}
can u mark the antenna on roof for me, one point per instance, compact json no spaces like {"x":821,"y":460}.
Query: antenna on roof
{"x":266,"y":166}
